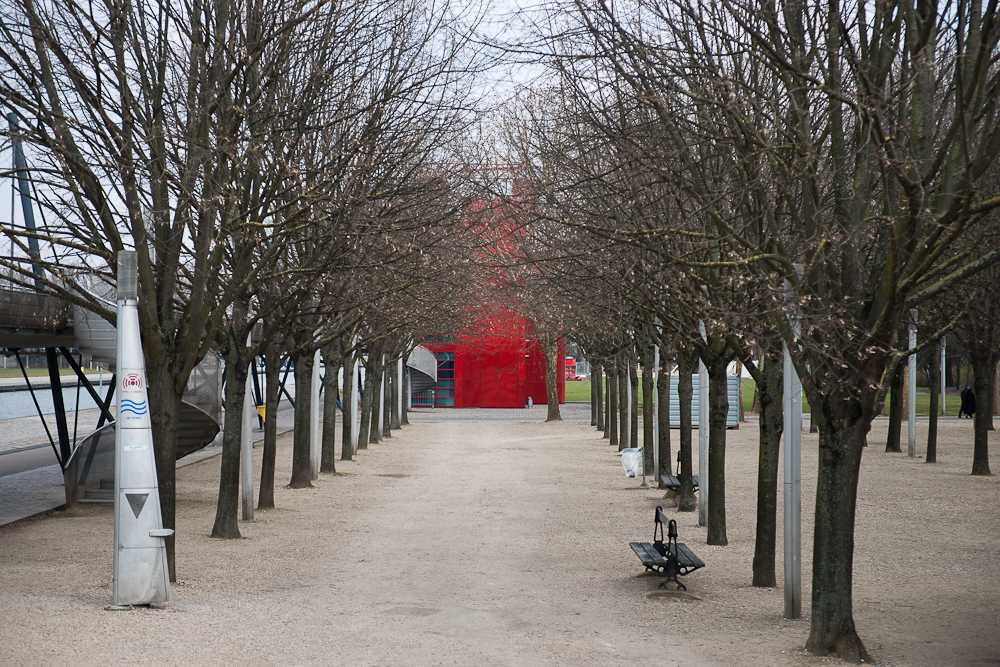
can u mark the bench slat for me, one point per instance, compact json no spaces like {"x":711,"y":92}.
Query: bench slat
{"x":673,"y":482}
{"x":687,"y":559}
{"x":650,"y":557}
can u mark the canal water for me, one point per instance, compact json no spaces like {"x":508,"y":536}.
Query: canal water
{"x":15,"y":404}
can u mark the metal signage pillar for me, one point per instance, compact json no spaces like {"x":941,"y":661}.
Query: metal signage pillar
{"x":911,"y":394}
{"x":140,"y":559}
{"x":316,"y":384}
{"x":702,"y":435}
{"x":246,"y":443}
{"x":792,"y":409}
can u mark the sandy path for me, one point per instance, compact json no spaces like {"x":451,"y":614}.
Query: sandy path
{"x":506,"y":544}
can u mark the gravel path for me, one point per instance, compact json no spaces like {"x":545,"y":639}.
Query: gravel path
{"x":506,"y":543}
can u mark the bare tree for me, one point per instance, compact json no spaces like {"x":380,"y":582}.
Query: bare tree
{"x":857,"y":137}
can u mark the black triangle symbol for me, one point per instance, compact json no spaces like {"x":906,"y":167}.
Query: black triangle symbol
{"x":136,"y":502}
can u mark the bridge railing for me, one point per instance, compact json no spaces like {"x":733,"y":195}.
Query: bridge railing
{"x":30,"y":310}
{"x":93,"y":460}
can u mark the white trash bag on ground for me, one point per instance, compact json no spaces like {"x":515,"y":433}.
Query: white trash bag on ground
{"x":632,"y":461}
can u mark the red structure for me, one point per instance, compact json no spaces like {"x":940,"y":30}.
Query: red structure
{"x":499,"y":368}
{"x":495,"y":362}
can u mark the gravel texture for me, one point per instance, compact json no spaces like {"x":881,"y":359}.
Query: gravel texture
{"x":506,"y":543}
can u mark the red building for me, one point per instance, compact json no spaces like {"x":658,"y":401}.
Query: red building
{"x":501,"y":367}
{"x":496,"y":361}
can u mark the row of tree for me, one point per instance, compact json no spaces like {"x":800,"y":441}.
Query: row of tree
{"x":275,"y":165}
{"x":725,"y":180}
{"x":717,"y":181}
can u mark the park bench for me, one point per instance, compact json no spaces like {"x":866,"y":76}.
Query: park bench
{"x":669,"y":558}
{"x":673,"y":482}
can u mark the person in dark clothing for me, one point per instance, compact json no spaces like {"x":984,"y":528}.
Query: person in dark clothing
{"x":968,"y":403}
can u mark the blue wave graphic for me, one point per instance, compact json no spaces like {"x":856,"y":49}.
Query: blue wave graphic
{"x":134,"y":407}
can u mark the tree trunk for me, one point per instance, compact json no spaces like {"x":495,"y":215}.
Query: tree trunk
{"x":685,"y":392}
{"x":553,"y":365}
{"x":164,"y":414}
{"x":633,"y":408}
{"x":983,"y":374}
{"x":346,"y":448}
{"x":771,"y":392}
{"x":373,"y":391}
{"x":331,"y":390}
{"x":228,"y":503}
{"x":604,"y":396}
{"x":387,"y":392}
{"x":366,"y":407}
{"x":272,"y":371}
{"x":301,"y":467}
{"x":648,"y":396}
{"x":395,"y":416}
{"x":718,"y":399}
{"x":593,"y":397}
{"x":994,"y":399}
{"x":841,"y":442}
{"x":597,"y":378}
{"x":892,"y":443}
{"x":624,"y":437}
{"x":935,"y":407}
{"x":663,"y":390}
{"x":405,"y":407}
{"x":612,"y":432}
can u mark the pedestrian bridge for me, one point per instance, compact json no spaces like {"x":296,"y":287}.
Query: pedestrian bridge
{"x":29,"y":320}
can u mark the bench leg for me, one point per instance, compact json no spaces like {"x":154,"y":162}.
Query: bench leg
{"x":671,"y":575}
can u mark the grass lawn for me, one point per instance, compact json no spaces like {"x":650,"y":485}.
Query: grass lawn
{"x":952,"y":402}
{"x":15,"y":372}
{"x":579,"y":390}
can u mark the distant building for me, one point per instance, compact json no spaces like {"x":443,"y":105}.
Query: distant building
{"x":495,"y":360}
{"x":499,"y":367}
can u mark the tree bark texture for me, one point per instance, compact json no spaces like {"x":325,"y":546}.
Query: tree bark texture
{"x":624,"y":438}
{"x":164,"y":411}
{"x":593,"y":396}
{"x":373,"y":394}
{"x":597,"y":378}
{"x":983,"y":368}
{"x":553,"y":366}
{"x":935,"y":407}
{"x":892,"y":443}
{"x":366,"y":408}
{"x":718,"y":399}
{"x":832,"y":627}
{"x":348,"y":425}
{"x":648,"y":396}
{"x":405,"y":407}
{"x":228,"y":502}
{"x":397,"y":381}
{"x":685,"y":392}
{"x":272,"y":371}
{"x":604,"y":396}
{"x":613,"y":405}
{"x":388,"y":387}
{"x":633,"y":408}
{"x":663,"y":391}
{"x":771,"y":392}
{"x":331,"y":390}
{"x":301,"y":467}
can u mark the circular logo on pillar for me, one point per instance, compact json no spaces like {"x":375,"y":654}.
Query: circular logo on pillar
{"x":132,"y":381}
